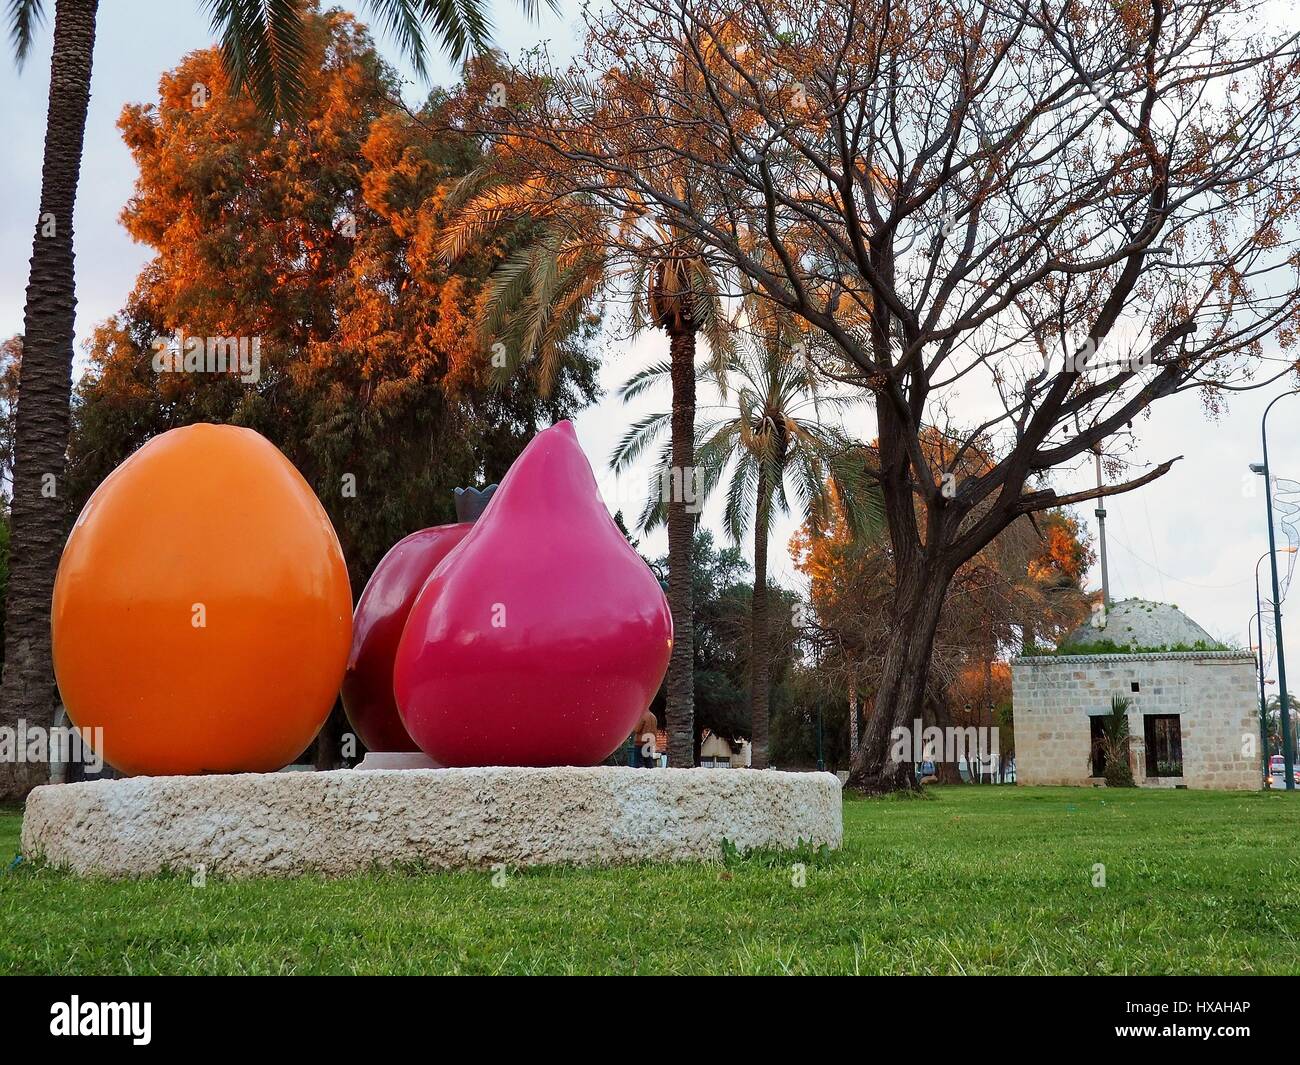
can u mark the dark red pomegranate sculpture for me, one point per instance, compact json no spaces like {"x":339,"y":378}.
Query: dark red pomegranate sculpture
{"x":380,"y":617}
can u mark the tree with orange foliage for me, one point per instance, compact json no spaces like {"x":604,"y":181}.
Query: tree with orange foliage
{"x":319,"y":241}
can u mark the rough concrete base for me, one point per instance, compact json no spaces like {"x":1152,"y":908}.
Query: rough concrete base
{"x":340,"y":822}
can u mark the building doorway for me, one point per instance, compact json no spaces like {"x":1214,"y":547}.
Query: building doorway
{"x":1097,"y":728}
{"x":1164,"y":744}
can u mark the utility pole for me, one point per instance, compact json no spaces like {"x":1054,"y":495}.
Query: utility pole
{"x":1101,"y":533}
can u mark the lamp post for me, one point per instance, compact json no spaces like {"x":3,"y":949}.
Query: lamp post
{"x":1258,"y":619}
{"x":1263,"y":705}
{"x":1259,"y":630}
{"x":1288,"y":757}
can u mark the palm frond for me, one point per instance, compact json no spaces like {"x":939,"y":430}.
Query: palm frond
{"x":543,"y":282}
{"x":807,"y":476}
{"x":402,"y":21}
{"x":638,"y":278}
{"x":639,"y":436}
{"x":712,"y":318}
{"x":488,"y":205}
{"x":263,"y":45}
{"x":578,"y":290}
{"x":860,"y":496}
{"x":461,"y":25}
{"x":507,"y":289}
{"x":714,"y":448}
{"x":530,"y":7}
{"x":24,"y":18}
{"x":471,"y":183}
{"x":645,"y":379}
{"x":655,"y":511}
{"x":742,"y":497}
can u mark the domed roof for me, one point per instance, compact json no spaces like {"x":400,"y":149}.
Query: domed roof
{"x":1141,"y":625}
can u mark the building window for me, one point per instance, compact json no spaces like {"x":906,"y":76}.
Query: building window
{"x":1164,"y":745}
{"x":1134,"y":686}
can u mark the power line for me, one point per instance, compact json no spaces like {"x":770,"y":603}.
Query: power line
{"x":1178,"y":580}
{"x":1123,"y":521}
{"x":1152,"y":537}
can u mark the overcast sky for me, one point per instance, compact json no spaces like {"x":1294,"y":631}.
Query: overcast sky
{"x":1192,"y":538}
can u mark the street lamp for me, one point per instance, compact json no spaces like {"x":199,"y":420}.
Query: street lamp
{"x":1259,"y":618}
{"x":1259,"y":661}
{"x":1288,"y":757}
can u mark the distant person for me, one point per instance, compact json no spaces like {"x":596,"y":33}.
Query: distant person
{"x":644,"y":738}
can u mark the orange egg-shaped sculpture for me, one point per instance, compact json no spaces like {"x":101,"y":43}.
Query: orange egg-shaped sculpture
{"x":202,"y":612}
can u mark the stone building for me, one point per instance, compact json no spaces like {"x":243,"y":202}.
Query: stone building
{"x":1194,"y":705}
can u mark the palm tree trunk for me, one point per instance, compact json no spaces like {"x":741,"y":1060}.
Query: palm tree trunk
{"x":27,"y":690}
{"x":680,"y":708}
{"x":758,"y":647}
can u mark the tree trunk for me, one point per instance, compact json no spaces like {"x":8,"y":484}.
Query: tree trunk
{"x":853,"y":717}
{"x":945,"y":772}
{"x":759,"y":664}
{"x":327,"y":751}
{"x":680,"y":709}
{"x":27,"y":690}
{"x":904,"y":671}
{"x":986,"y":706}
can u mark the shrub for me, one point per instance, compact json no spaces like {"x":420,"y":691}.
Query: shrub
{"x":1114,"y":745}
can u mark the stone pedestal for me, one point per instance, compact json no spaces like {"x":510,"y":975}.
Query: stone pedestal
{"x":345,"y":822}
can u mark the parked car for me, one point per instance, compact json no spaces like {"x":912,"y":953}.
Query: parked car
{"x":1277,"y":772}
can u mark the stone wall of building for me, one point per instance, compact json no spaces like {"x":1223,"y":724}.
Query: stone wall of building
{"x":1215,"y":694}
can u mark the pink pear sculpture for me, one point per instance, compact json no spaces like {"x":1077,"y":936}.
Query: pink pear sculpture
{"x":542,"y":638}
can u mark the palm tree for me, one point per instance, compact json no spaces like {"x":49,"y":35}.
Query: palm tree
{"x":780,"y":457}
{"x":1114,"y":744}
{"x":263,"y":46}
{"x":577,"y":254}
{"x":681,"y":299}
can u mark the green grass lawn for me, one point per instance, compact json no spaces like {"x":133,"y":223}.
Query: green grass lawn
{"x":970,"y":880}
